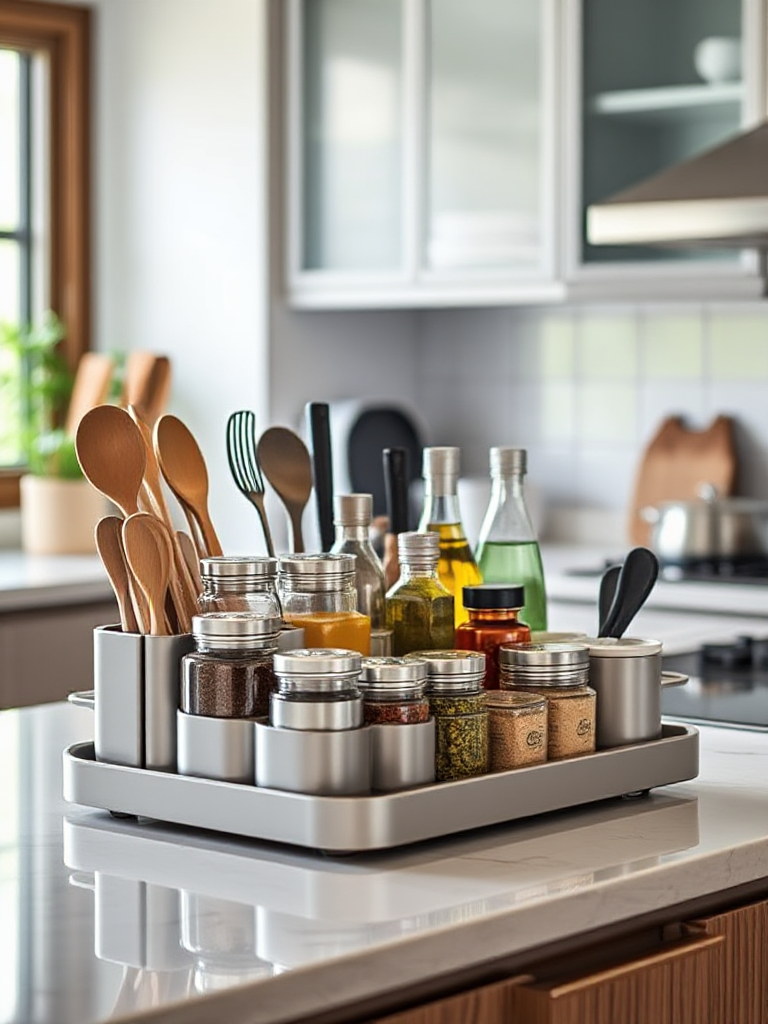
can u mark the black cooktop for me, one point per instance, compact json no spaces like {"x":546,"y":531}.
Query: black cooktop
{"x":728,"y":683}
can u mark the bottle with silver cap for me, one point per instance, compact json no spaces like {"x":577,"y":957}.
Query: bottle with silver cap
{"x":230,"y":673}
{"x":419,"y":607}
{"x":507,"y":548}
{"x":239,"y":584}
{"x":352,"y":519}
{"x":318,"y":594}
{"x":457,"y":567}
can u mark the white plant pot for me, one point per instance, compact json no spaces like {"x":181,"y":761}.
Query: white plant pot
{"x":58,"y":517}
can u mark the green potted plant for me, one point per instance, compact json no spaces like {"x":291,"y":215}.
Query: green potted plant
{"x":59,"y":508}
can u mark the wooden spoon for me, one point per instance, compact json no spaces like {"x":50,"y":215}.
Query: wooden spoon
{"x":149,"y":560}
{"x":189,"y":551}
{"x":183,"y":466}
{"x":286,"y":463}
{"x":109,"y":544}
{"x":111,"y":454}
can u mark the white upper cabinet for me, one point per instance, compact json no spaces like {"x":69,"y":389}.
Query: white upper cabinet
{"x":646,"y":88}
{"x":421,"y":152}
{"x":444,"y":152}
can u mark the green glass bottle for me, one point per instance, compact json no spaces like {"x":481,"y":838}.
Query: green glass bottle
{"x":419,"y":608}
{"x":507,"y":549}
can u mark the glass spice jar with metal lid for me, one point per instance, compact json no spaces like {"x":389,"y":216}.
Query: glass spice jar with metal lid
{"x":317,"y":592}
{"x":493,"y":610}
{"x":517,"y":729}
{"x":230,"y":673}
{"x":457,"y":701}
{"x":239,"y":584}
{"x":559,"y":672}
{"x":419,"y":608}
{"x":394,"y":691}
{"x":317,"y":689}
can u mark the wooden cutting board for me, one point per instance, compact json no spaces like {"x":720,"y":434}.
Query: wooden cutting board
{"x":676,"y":462}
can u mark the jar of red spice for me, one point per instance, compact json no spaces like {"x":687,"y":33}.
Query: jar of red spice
{"x":493,"y":610}
{"x":394,"y":691}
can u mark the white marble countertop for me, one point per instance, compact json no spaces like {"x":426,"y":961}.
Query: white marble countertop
{"x":43,"y":581}
{"x":105,"y":918}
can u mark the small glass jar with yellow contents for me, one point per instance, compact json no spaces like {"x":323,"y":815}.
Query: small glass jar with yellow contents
{"x":318,"y":594}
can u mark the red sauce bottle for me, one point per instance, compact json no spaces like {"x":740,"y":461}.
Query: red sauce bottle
{"x":493,"y":610}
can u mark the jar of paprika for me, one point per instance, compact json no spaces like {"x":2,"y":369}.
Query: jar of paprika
{"x":493,"y":610}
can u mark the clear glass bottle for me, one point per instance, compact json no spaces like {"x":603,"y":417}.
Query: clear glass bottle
{"x":493,"y":620}
{"x":318,"y":593}
{"x":507,"y":548}
{"x":457,"y":567}
{"x":239,"y":584}
{"x":419,"y":607}
{"x":352,"y":519}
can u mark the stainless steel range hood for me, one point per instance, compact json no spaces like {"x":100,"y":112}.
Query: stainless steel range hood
{"x":718,"y":199}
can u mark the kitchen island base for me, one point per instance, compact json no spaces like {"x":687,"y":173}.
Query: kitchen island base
{"x":340,"y":825}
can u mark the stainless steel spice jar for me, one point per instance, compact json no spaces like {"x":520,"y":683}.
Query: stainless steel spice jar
{"x":394,"y":691}
{"x":517,"y":729}
{"x":559,"y":672}
{"x":230,"y":674}
{"x":457,"y":701}
{"x":317,"y":689}
{"x":239,"y":584}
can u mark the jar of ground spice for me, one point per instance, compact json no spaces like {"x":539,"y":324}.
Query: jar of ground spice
{"x":559,"y":672}
{"x":230,"y":673}
{"x":394,"y":691}
{"x":457,"y":701}
{"x":317,"y":690}
{"x":239,"y":584}
{"x":517,"y":729}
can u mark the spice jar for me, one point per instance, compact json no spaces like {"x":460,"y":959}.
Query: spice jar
{"x":394,"y":691}
{"x":318,"y":593}
{"x":317,"y":690}
{"x":235,"y":584}
{"x":493,"y":610}
{"x":457,"y":701}
{"x":517,"y":729}
{"x":229,"y":674}
{"x":419,"y":608}
{"x":559,"y":672}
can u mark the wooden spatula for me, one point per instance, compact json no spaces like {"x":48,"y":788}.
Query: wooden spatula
{"x":149,"y":560}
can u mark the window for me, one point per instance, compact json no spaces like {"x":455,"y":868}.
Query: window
{"x":45,"y":179}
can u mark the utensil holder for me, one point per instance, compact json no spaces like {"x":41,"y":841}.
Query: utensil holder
{"x":403,"y":755}
{"x":136,"y":694}
{"x":318,"y":763}
{"x":215,"y":748}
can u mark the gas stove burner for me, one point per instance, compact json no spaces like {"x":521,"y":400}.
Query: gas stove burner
{"x":744,"y":652}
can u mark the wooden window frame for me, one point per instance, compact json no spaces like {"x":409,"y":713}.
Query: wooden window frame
{"x":63,"y":34}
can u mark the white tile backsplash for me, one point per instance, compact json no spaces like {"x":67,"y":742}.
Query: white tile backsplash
{"x":585,"y":388}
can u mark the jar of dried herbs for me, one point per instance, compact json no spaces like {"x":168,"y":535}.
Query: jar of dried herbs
{"x":457,"y":701}
{"x":559,"y":672}
{"x":394,"y":691}
{"x":517,"y":729}
{"x":230,"y":673}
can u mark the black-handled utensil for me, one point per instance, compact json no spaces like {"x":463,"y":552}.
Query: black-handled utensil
{"x":606,"y":595}
{"x":319,"y":418}
{"x":635,"y":582}
{"x":395,"y":462}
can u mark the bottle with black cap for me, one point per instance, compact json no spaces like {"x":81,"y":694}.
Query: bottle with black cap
{"x":493,"y":610}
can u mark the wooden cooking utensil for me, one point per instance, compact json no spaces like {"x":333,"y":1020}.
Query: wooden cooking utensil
{"x":109,"y":544}
{"x":183,"y":607}
{"x":149,"y":559}
{"x":90,"y":388}
{"x":147,"y":384}
{"x":183,"y":467}
{"x":676,"y":463}
{"x":286,"y":463}
{"x":111,"y":454}
{"x":189,"y":551}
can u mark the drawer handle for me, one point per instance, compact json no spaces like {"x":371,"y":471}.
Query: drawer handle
{"x":82,"y":699}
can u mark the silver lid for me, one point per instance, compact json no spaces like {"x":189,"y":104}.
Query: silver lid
{"x":393,"y":670}
{"x":543,"y":656}
{"x":415,"y":547}
{"x":316,"y":565}
{"x":440,"y":469}
{"x":226,"y":630}
{"x":231,"y":565}
{"x":506,"y":461}
{"x":453,"y":671}
{"x":353,"y":509}
{"x":317,"y":661}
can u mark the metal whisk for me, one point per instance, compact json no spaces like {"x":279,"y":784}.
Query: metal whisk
{"x":244,"y":465}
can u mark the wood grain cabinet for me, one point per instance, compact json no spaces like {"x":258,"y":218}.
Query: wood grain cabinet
{"x":741,"y":984}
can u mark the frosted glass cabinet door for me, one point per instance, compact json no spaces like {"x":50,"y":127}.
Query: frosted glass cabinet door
{"x":351,"y":98}
{"x":485,"y":114}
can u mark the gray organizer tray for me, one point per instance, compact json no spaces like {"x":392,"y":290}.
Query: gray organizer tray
{"x":380,"y":821}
